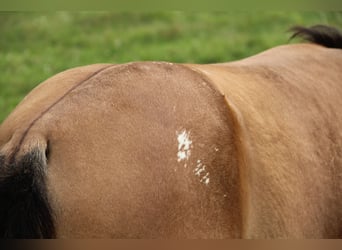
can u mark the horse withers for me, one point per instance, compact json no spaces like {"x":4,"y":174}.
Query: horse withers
{"x":245,"y":149}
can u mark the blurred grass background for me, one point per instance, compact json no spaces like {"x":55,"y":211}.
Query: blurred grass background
{"x":35,"y":46}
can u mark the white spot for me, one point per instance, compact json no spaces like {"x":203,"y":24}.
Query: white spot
{"x":201,"y":172}
{"x":216,"y":149}
{"x":205,"y":179}
{"x":199,"y":169}
{"x":184,"y":151}
{"x":184,"y":145}
{"x":181,"y":155}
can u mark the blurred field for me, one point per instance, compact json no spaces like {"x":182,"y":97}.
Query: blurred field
{"x":35,"y":46}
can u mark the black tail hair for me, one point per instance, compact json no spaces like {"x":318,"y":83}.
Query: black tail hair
{"x":25,"y":211}
{"x":320,"y":34}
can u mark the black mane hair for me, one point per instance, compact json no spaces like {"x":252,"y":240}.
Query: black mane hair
{"x":25,"y":211}
{"x":319,"y":34}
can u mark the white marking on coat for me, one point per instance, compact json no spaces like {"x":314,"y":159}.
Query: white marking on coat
{"x":201,"y":172}
{"x":205,"y":179}
{"x":199,"y":168}
{"x":184,"y":145}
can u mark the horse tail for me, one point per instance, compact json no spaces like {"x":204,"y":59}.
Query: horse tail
{"x":24,"y":208}
{"x":319,"y":34}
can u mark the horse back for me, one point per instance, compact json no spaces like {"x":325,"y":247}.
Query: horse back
{"x":289,"y":100}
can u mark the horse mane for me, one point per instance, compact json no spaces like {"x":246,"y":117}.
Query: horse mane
{"x":25,"y":211}
{"x":319,"y":34}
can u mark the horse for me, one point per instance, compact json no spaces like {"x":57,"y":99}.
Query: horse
{"x":245,"y":149}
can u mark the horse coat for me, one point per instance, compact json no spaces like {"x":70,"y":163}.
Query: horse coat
{"x":247,"y":149}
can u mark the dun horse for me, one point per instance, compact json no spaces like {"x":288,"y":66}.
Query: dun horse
{"x":249,"y":149}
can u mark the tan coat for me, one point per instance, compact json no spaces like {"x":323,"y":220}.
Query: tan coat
{"x":159,"y":150}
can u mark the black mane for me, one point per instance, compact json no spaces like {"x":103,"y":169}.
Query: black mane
{"x":320,"y":34}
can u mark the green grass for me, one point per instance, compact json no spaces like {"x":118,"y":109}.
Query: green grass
{"x":35,"y":46}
